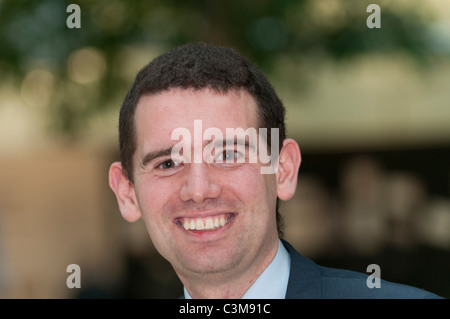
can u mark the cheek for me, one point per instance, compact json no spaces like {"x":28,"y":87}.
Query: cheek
{"x":152,"y":197}
{"x":252,"y":186}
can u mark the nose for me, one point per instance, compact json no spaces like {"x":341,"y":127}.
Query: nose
{"x":199,"y":184}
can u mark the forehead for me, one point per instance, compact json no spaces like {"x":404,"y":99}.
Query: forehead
{"x":159,"y":114}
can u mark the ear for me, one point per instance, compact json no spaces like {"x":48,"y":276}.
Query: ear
{"x":288,"y":166}
{"x":125,"y":193}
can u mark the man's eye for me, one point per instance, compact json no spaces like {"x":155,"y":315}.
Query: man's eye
{"x":168,"y":164}
{"x":227,"y":156}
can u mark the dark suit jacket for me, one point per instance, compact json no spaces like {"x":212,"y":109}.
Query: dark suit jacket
{"x":311,"y":281}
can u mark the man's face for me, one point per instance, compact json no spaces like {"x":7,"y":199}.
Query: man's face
{"x":205,"y":217}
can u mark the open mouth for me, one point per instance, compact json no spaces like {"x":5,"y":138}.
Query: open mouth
{"x":204,"y":223}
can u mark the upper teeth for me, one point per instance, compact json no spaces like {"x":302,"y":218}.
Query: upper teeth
{"x":205,"y":223}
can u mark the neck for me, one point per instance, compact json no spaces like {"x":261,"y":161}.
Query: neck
{"x":231,"y":284}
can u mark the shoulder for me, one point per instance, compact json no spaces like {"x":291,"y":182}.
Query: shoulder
{"x":309,"y":280}
{"x":340,"y":283}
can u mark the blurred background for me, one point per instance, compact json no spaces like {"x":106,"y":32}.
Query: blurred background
{"x":370,"y":109}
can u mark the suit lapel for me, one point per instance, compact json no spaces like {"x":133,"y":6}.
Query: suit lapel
{"x":304,"y":279}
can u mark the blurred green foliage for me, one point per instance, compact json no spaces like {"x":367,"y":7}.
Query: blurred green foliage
{"x":34,"y":34}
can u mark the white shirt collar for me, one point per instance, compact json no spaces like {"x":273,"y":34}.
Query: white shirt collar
{"x":272,"y":283}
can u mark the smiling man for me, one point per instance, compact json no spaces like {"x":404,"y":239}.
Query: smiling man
{"x":209,"y":206}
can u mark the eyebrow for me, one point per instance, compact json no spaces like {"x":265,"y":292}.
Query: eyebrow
{"x":233,"y":142}
{"x":150,"y":156}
